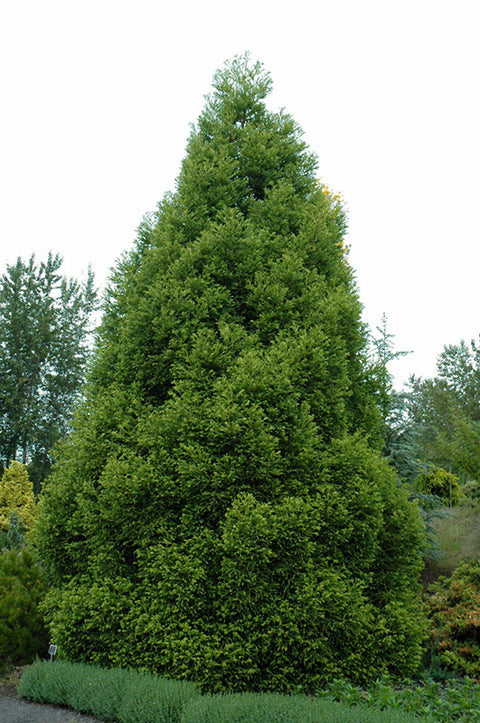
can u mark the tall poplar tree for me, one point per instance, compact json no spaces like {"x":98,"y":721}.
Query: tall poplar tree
{"x":222,"y":511}
{"x":44,"y":344}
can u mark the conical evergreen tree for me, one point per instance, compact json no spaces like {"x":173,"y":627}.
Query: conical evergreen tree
{"x":16,"y":496}
{"x":221,"y":512}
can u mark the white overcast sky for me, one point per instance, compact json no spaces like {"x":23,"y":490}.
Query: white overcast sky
{"x":96,"y":103}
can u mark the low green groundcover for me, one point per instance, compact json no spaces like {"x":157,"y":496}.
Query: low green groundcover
{"x":273,"y":708}
{"x":125,"y":696}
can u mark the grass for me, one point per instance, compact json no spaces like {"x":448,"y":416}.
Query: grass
{"x":457,"y":534}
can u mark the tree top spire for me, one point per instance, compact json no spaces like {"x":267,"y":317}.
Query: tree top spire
{"x":240,"y":87}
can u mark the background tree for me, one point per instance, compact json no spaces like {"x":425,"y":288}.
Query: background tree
{"x":398,"y":430}
{"x":15,"y":535}
{"x":221,"y":511}
{"x":44,"y":344}
{"x":445,"y":412}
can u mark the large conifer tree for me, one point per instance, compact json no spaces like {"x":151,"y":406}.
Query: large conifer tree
{"x":221,"y":512}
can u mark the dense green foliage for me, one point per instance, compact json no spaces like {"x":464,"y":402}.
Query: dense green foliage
{"x":455,"y":620}
{"x":445,"y":412}
{"x":123,"y":696}
{"x":440,"y":483}
{"x":438,"y":702}
{"x":432,"y":423}
{"x":44,"y":326}
{"x":22,"y":587}
{"x":16,"y":497}
{"x":132,"y":697}
{"x":221,"y":512}
{"x":13,"y":538}
{"x":255,"y":708}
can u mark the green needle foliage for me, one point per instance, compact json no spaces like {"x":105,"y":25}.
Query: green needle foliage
{"x":22,"y":587}
{"x":16,"y":496}
{"x":221,"y":512}
{"x":454,"y":606}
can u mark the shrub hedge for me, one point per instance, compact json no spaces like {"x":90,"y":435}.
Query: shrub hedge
{"x":126,"y":696}
{"x":273,"y":708}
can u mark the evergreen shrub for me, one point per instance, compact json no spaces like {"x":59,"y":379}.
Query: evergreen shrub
{"x":16,"y":496}
{"x":221,"y":511}
{"x":15,"y":535}
{"x":442,"y":484}
{"x":455,"y":620}
{"x":13,"y":538}
{"x":22,"y":588}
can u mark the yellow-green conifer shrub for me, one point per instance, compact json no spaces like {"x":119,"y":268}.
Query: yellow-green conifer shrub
{"x":439,"y":482}
{"x":16,"y":496}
